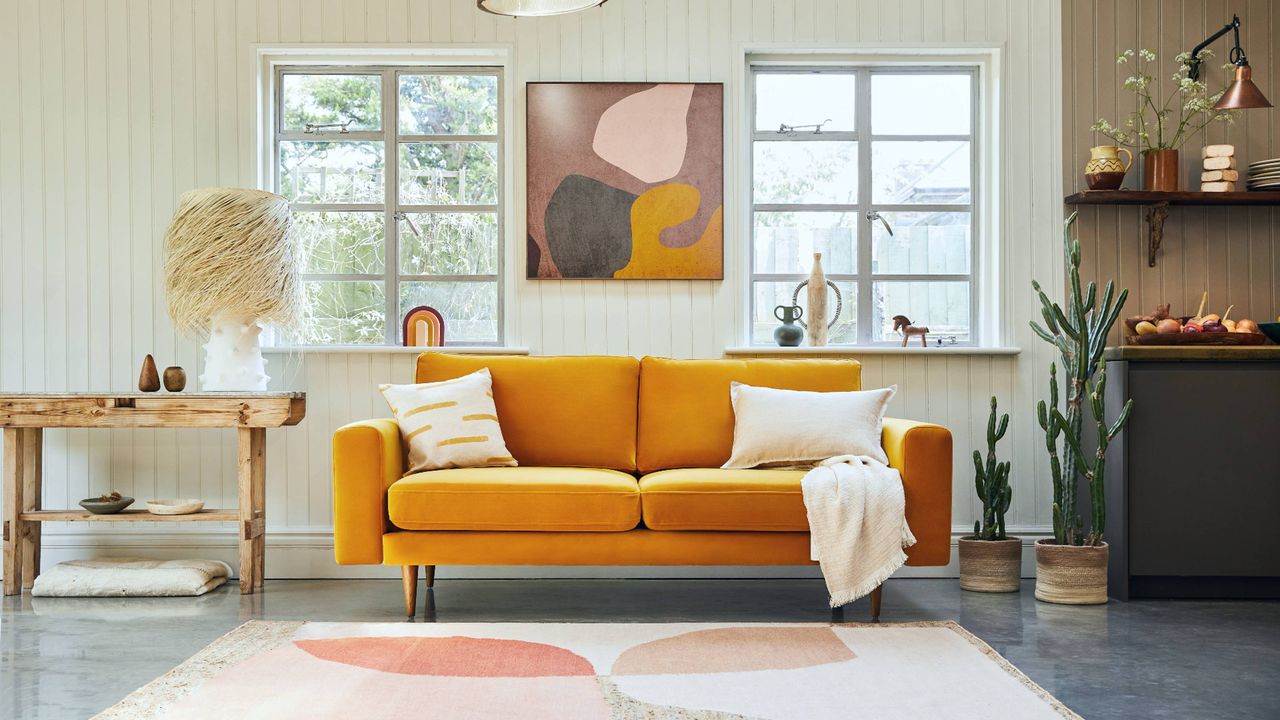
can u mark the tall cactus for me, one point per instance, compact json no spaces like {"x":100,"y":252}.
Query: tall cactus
{"x":992,"y":481}
{"x":1080,"y":334}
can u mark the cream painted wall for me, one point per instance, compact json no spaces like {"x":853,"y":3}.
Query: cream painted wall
{"x":112,"y":109}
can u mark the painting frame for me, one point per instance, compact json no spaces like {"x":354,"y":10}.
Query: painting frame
{"x":624,"y":180}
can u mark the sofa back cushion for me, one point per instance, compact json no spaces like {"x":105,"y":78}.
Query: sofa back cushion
{"x":556,"y":411}
{"x":686,"y":416}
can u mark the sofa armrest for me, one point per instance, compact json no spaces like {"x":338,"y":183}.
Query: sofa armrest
{"x":921,"y":452}
{"x":367,"y":459}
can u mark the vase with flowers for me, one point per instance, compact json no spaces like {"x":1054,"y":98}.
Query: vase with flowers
{"x":1163,"y":122}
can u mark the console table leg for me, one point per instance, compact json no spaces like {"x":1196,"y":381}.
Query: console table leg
{"x":14,"y":482}
{"x":32,"y":492}
{"x":251,"y":480}
{"x":260,"y":509}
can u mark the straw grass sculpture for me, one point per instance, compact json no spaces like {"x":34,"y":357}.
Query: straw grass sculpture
{"x":231,"y":262}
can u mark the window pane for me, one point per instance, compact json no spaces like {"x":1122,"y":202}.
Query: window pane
{"x":922,"y":242}
{"x":449,"y":173}
{"x":470,"y":309}
{"x":449,"y":244}
{"x":331,"y":172}
{"x":786,"y":241}
{"x":913,"y":104}
{"x":324,"y":99}
{"x":341,"y":242}
{"x":804,"y":99}
{"x":448,"y":104}
{"x":342,"y":313}
{"x":769,"y":295}
{"x":806,"y":172}
{"x":943,"y":307}
{"x":920,"y":172}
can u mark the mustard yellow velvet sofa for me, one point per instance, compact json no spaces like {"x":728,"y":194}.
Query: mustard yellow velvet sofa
{"x":619,"y":464}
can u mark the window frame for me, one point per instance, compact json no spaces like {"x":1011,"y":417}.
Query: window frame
{"x":863,"y":277}
{"x":392,"y":209}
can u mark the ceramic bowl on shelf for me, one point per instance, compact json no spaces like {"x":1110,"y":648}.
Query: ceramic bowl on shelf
{"x":174,"y":506}
{"x":98,"y":506}
{"x":1271,"y":330}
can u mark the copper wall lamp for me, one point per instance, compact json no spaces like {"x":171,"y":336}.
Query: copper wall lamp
{"x":1242,"y":93}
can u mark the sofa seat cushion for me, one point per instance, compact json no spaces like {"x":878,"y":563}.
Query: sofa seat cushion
{"x":515,"y":498}
{"x":715,"y":499}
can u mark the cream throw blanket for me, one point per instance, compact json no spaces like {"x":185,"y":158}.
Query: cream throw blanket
{"x":131,"y":577}
{"x":857,"y":524}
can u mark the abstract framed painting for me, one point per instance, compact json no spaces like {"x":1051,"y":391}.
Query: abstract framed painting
{"x":625,"y":180}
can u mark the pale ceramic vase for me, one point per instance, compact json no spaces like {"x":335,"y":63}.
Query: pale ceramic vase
{"x":817,"y":327}
{"x":233,"y":356}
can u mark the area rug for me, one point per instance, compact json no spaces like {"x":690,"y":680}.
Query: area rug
{"x":594,"y":672}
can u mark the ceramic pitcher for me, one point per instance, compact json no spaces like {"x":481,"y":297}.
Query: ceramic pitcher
{"x":788,"y":334}
{"x":1105,"y":171}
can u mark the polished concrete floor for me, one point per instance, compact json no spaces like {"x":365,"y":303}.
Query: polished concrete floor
{"x":69,"y":658}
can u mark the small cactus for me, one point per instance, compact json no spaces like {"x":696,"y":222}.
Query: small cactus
{"x":992,"y":481}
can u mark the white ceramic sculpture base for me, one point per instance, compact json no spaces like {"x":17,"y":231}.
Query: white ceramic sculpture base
{"x":233,"y":356}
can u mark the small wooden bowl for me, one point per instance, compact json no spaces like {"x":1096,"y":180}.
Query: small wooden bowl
{"x":105,"y":507}
{"x":175,"y":506}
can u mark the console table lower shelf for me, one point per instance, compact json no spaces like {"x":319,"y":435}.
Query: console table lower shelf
{"x":25,"y":416}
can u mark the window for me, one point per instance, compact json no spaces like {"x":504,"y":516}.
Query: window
{"x":874,"y":167}
{"x":395,"y":178}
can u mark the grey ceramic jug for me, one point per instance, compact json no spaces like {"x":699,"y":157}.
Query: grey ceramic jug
{"x":788,"y":334}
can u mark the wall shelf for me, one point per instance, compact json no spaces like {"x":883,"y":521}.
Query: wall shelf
{"x":1158,"y":206}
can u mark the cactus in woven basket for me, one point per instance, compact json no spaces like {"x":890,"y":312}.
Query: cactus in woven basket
{"x":1079,"y":332}
{"x":992,"y":481}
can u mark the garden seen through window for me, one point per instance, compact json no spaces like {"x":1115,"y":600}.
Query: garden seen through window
{"x":874,"y":168}
{"x":394,"y":175}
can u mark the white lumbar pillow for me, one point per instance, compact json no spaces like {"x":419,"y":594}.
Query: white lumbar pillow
{"x":798,"y":427}
{"x":450,"y":424}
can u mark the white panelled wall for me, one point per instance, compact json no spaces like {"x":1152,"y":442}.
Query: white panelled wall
{"x":113,"y":108}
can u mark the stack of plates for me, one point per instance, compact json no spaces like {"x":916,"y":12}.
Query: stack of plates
{"x":1264,"y":174}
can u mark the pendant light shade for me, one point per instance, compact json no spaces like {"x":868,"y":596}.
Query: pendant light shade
{"x":535,"y":8}
{"x":1242,"y":94}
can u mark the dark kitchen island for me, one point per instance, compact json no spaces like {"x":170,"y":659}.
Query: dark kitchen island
{"x":1193,"y":482}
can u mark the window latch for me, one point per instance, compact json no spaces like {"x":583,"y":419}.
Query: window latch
{"x":785,"y":129}
{"x":399,"y":215}
{"x":873,"y":215}
{"x":316,"y":128}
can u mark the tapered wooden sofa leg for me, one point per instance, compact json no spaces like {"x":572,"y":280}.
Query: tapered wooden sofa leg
{"x":431,"y":575}
{"x":875,"y":602}
{"x":409,"y":576}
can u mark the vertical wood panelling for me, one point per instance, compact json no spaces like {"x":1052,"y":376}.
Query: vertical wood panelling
{"x":122,"y":105}
{"x":1230,"y":252}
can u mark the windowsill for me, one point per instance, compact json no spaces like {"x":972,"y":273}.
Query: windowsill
{"x":853,"y":350}
{"x":393,"y":350}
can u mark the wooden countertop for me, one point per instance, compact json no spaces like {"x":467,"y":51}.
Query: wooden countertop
{"x":1195,"y":353}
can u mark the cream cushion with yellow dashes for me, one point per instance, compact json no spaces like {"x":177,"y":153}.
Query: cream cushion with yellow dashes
{"x":449,"y":424}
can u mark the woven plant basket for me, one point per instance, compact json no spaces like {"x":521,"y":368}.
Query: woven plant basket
{"x":1071,"y":574}
{"x":993,"y":566}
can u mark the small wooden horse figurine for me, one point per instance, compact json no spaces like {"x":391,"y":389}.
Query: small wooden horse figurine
{"x":903,"y":323}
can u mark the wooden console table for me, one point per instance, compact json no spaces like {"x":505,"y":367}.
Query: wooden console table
{"x":25,"y":415}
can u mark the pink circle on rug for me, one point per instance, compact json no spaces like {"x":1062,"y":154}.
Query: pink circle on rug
{"x":455,"y":656}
